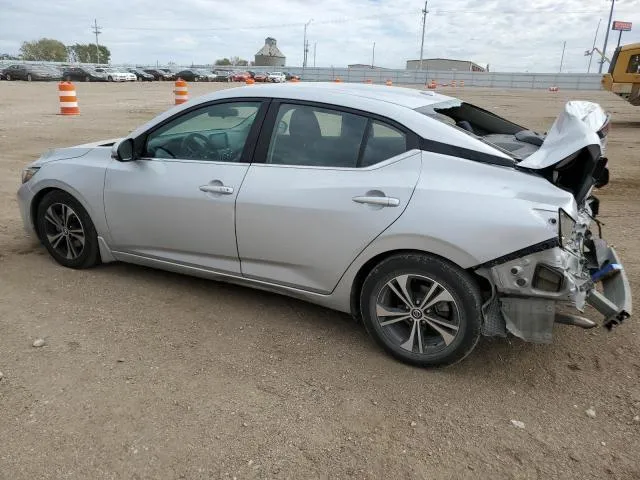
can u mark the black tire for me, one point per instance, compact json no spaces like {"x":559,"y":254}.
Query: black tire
{"x":29,"y":78}
{"x":109,"y":79}
{"x":464,"y":310}
{"x":88,"y":254}
{"x":8,"y":77}
{"x":87,"y":78}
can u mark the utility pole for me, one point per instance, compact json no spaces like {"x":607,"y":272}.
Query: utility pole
{"x":595,"y":39}
{"x":424,"y":24}
{"x":97,"y":31}
{"x":564,"y":47}
{"x":304,"y":56}
{"x":373,"y":55}
{"x":315,"y":44}
{"x":606,"y":37}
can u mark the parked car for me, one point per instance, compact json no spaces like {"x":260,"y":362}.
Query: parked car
{"x":432,"y":220}
{"x":276,"y":77}
{"x":31,"y":72}
{"x":141,"y":75}
{"x":83,"y":74}
{"x":195,"y":75}
{"x":116,"y":75}
{"x":240,"y":76}
{"x":291,"y":76}
{"x":172,"y":73}
{"x":222,"y":76}
{"x":159,"y":74}
{"x":260,"y":76}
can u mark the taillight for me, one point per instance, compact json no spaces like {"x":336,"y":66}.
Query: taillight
{"x":604,"y":131}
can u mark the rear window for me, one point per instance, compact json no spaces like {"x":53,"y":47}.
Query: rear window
{"x":634,"y":64}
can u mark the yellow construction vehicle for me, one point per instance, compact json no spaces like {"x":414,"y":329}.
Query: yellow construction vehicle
{"x":623,"y":78}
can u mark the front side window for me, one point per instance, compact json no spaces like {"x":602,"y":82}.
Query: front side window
{"x":634,"y":64}
{"x":212,"y":133}
{"x":315,"y":136}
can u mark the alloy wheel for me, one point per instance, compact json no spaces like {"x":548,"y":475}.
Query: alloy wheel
{"x":417,"y":314}
{"x":64,"y":231}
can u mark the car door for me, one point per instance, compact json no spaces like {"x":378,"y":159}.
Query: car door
{"x":177,"y":202}
{"x":323,"y":185}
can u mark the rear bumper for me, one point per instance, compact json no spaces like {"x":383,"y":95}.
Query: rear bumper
{"x":614,"y":302}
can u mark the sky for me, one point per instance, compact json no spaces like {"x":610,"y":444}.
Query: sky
{"x":509,"y":35}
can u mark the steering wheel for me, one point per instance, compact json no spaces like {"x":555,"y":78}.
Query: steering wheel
{"x":195,"y":146}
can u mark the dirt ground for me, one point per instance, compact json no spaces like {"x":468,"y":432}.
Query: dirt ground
{"x":148,"y":374}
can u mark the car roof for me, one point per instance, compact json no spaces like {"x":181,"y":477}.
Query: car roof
{"x":335,"y":93}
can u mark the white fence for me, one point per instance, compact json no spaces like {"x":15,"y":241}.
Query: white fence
{"x":565,"y":81}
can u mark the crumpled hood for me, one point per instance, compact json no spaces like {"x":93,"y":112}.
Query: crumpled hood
{"x":72,"y":152}
{"x":575,"y":128}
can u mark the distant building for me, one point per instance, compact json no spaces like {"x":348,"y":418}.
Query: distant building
{"x":269,"y":55}
{"x":361,"y":66}
{"x":445,"y":64}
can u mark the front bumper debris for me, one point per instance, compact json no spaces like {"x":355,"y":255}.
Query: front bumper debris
{"x":614,"y":302}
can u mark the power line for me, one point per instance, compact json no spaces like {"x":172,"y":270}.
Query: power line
{"x":273,"y":25}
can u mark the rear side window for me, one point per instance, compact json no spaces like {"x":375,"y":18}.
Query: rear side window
{"x":315,"y":136}
{"x":634,"y":64}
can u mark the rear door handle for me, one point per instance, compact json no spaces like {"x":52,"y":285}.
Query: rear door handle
{"x":381,"y":201}
{"x":217,"y":189}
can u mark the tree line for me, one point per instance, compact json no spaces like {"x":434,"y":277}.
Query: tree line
{"x":51,"y":50}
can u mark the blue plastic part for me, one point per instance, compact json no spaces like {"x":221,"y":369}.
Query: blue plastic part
{"x":606,"y":271}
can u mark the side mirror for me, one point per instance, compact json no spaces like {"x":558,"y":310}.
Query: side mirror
{"x":123,"y":151}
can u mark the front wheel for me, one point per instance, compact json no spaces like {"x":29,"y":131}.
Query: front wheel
{"x":29,"y":77}
{"x":422,"y":310}
{"x":66,"y":230}
{"x":8,"y":77}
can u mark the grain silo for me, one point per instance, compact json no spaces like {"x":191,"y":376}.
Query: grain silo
{"x":269,"y":55}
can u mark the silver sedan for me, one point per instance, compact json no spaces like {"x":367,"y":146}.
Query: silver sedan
{"x":431,"y":220}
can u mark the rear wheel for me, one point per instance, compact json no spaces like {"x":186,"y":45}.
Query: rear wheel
{"x":422,"y":310}
{"x":8,"y":77}
{"x":29,"y":78}
{"x":67,"y":231}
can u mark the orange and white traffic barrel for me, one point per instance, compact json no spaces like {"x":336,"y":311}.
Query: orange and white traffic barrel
{"x":432,"y":85}
{"x":250,"y":81}
{"x":68,"y":99}
{"x":338,"y":80}
{"x":389,"y":83}
{"x":181,"y":91}
{"x":453,"y":84}
{"x":461,"y":83}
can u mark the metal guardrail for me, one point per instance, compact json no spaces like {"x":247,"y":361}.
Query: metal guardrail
{"x":564,"y":81}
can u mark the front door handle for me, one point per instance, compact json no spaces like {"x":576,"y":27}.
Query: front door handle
{"x":380,"y":201}
{"x":217,"y":189}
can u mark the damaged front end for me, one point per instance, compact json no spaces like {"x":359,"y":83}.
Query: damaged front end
{"x":538,"y":286}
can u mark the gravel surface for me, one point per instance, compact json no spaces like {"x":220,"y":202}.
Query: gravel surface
{"x":148,"y":374}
